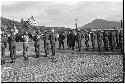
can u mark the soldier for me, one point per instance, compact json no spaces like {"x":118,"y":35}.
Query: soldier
{"x":105,"y":40}
{"x":76,"y":39}
{"x":121,"y":40}
{"x":93,"y":38}
{"x":68,"y":39}
{"x":25,"y":45}
{"x":117,"y":40}
{"x":61,"y":40}
{"x":72,"y":39}
{"x":99,"y":39}
{"x":79,"y":38}
{"x":113,"y":39}
{"x":12,"y":46}
{"x":87,"y":40}
{"x":52,"y":39}
{"x":9,"y":41}
{"x":37,"y":44}
{"x":110,"y":38}
{"x":104,"y":34}
{"x":46,"y":43}
{"x":3,"y":46}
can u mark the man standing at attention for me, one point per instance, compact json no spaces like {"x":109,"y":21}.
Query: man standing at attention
{"x":25,"y":45}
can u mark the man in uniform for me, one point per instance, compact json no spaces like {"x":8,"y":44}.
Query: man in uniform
{"x":52,"y":39}
{"x":105,"y":40}
{"x":121,"y":40}
{"x":79,"y":38}
{"x":25,"y":45}
{"x":72,"y":40}
{"x":3,"y":46}
{"x":93,"y":38}
{"x":61,"y":40}
{"x":76,"y":39}
{"x":110,"y":37}
{"x":12,"y":46}
{"x":68,"y":39}
{"x":46,"y":42}
{"x":37,"y":44}
{"x":99,"y":40}
{"x":117,"y":40}
{"x":113,"y":39}
{"x":87,"y":40}
{"x":104,"y":34}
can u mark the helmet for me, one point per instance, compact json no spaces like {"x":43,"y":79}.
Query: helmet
{"x":11,"y":31}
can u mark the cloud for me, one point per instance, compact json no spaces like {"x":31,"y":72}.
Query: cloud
{"x":54,"y":13}
{"x":7,"y":3}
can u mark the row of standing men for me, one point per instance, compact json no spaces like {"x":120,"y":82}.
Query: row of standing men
{"x":109,"y":38}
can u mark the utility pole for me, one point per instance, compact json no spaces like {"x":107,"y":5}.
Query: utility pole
{"x":76,"y":23}
{"x":121,"y":23}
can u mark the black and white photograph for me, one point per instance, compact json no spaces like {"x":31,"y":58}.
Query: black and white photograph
{"x":62,"y":41}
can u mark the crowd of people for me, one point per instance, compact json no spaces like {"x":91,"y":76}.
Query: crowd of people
{"x":110,"y":39}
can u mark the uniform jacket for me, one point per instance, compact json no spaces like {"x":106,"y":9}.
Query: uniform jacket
{"x":61,"y":37}
{"x":11,"y":39}
{"x":3,"y":41}
{"x":52,"y":38}
{"x":37,"y":39}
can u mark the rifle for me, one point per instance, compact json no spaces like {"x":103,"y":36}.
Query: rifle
{"x":39,"y":35}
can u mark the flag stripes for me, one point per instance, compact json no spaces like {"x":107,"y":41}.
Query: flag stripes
{"x":31,"y":21}
{"x":29,"y":24}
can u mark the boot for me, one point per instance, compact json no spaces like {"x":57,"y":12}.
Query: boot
{"x":12,"y":61}
{"x":37,"y":56}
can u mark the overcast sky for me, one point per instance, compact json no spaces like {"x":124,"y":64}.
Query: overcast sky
{"x":54,"y":13}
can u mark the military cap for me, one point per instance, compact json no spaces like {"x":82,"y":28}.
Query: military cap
{"x":11,"y":31}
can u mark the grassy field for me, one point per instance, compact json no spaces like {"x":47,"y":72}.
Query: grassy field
{"x":68,"y":66}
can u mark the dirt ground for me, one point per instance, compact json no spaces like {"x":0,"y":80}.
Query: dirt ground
{"x":67,"y":66}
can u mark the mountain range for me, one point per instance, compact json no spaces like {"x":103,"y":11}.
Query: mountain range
{"x":100,"y":23}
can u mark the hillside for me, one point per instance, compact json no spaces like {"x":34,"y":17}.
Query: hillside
{"x":100,"y":23}
{"x":8,"y":23}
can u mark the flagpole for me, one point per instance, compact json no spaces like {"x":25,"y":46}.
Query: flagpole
{"x":76,"y":23}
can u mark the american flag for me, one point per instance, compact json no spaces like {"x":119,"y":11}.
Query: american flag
{"x":32,"y":22}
